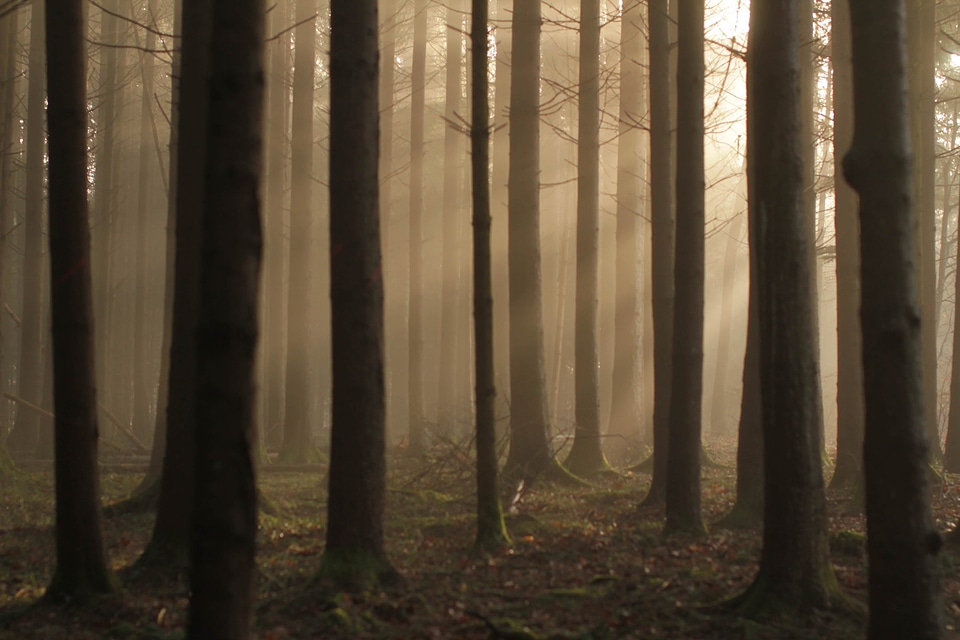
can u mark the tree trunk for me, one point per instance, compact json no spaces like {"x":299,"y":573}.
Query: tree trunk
{"x":491,"y":531}
{"x":529,"y":448}
{"x":81,"y":560}
{"x":718,"y":407}
{"x":586,"y":456}
{"x":795,"y":571}
{"x":849,"y":337}
{"x":901,"y":538}
{"x":224,"y":521}
{"x":23,"y":437}
{"x":357,"y":478}
{"x":168,"y":546}
{"x":297,"y":447}
{"x":450,"y":371}
{"x":626,"y":415}
{"x":683,"y":451}
{"x":663,"y":229}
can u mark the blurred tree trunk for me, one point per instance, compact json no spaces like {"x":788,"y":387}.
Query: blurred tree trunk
{"x":451,"y":371}
{"x":902,"y":540}
{"x":297,"y":447}
{"x":81,"y":560}
{"x":626,"y":413}
{"x":9,"y":146}
{"x":718,"y":406}
{"x":663,"y":229}
{"x":491,"y":531}
{"x":415,"y":412}
{"x":272,"y":344}
{"x":499,"y":242}
{"x":795,"y":570}
{"x":529,"y":448}
{"x":357,"y":479}
{"x":25,"y":431}
{"x":168,"y":546}
{"x":683,"y":451}
{"x":586,"y":456}
{"x":224,"y":522}
{"x":849,"y":468}
{"x":142,"y":387}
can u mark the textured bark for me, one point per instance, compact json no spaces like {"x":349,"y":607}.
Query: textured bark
{"x":849,"y":469}
{"x":795,"y":571}
{"x":451,"y":369}
{"x":357,"y":479}
{"x":415,"y":409}
{"x":626,"y":410}
{"x":901,"y":538}
{"x":23,"y":437}
{"x":529,"y":449}
{"x":81,"y":560}
{"x":491,"y":531}
{"x":297,"y":447}
{"x":224,"y":520}
{"x":586,"y":456}
{"x":663,"y":229}
{"x":683,"y":451}
{"x":273,"y":343}
{"x":168,"y":546}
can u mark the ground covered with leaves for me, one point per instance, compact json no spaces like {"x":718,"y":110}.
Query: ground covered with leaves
{"x":586,"y":563}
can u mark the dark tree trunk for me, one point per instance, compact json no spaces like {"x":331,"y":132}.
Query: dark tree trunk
{"x":297,"y":447}
{"x":663,"y":228}
{"x":795,"y":571}
{"x":901,"y":538}
{"x":81,"y":560}
{"x":168,"y":546}
{"x":357,"y":479}
{"x":849,"y":338}
{"x":586,"y":456}
{"x":23,"y":437}
{"x":9,"y":147}
{"x":224,"y":520}
{"x":491,"y":532}
{"x":529,"y":448}
{"x":683,"y":457}
{"x":626,"y":414}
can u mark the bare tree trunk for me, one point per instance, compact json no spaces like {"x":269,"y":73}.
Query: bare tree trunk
{"x":81,"y":560}
{"x":718,"y":408}
{"x":901,"y":536}
{"x":297,"y":447}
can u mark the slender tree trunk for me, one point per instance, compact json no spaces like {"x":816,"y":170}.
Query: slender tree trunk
{"x":168,"y":546}
{"x":357,"y":479}
{"x":417,"y":150}
{"x":663,"y":229}
{"x":273,"y":345}
{"x":81,"y":559}
{"x":23,"y":437}
{"x":9,"y":144}
{"x":849,"y":337}
{"x":718,"y":407}
{"x":626,"y":410}
{"x":586,"y":456}
{"x":491,"y":531}
{"x":224,"y":522}
{"x":795,"y":572}
{"x":683,"y":451}
{"x":901,"y":538}
{"x":296,"y":423}
{"x":450,"y":371}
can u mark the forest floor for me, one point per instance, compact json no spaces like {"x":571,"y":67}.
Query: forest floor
{"x":586,"y":563}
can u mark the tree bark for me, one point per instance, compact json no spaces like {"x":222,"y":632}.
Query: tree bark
{"x":355,"y":554}
{"x":901,"y":539}
{"x":81,"y":560}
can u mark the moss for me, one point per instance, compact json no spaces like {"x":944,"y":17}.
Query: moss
{"x":356,"y":569}
{"x":741,"y":517}
{"x":849,"y":543}
{"x":763,"y":602}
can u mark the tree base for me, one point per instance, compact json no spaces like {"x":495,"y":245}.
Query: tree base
{"x":356,"y":569}
{"x":761,"y":601}
{"x":143,"y":500}
{"x":741,"y":517}
{"x":161,"y":564}
{"x":94,"y":582}
{"x":301,"y":455}
{"x":585,"y":463}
